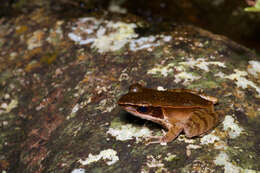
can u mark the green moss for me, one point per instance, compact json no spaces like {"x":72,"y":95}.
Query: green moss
{"x":49,"y":58}
{"x":21,"y":4}
{"x":71,"y":127}
{"x":171,"y":157}
{"x":158,"y":53}
{"x":5,"y":75}
{"x":203,"y":84}
{"x":97,"y":170}
{"x":116,"y":123}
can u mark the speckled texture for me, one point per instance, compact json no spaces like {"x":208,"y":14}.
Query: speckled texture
{"x":58,"y":100}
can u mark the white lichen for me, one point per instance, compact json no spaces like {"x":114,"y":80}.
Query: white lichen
{"x":109,"y":155}
{"x":231,"y":127}
{"x":148,"y":42}
{"x":102,"y":35}
{"x":107,"y":36}
{"x":129,"y":132}
{"x":78,"y":170}
{"x":106,"y":105}
{"x":241,"y":81}
{"x":192,"y":146}
{"x":170,"y":157}
{"x":8,"y":107}
{"x":186,"y":77}
{"x":223,"y":159}
{"x":181,"y":69}
{"x":75,"y":109}
{"x":181,"y":75}
{"x":254,"y":68}
{"x":162,"y":70}
{"x":220,"y":74}
{"x":209,"y":139}
{"x":113,"y":41}
{"x":202,"y":63}
{"x":153,"y":162}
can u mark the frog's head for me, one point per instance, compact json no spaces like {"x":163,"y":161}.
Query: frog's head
{"x":136,"y":103}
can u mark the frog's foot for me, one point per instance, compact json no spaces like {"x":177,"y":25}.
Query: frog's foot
{"x":155,"y":140}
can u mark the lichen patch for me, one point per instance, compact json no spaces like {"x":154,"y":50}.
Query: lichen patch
{"x":186,"y":77}
{"x":78,"y":170}
{"x":129,"y":132}
{"x":6,"y":108}
{"x":209,"y":139}
{"x":230,"y":125}
{"x":106,"y":36}
{"x":223,"y":159}
{"x":241,"y":80}
{"x":201,"y":63}
{"x":148,"y":42}
{"x":181,"y":70}
{"x":170,"y":157}
{"x":109,"y":155}
{"x":154,"y":162}
{"x":163,"y":70}
{"x":254,"y":68}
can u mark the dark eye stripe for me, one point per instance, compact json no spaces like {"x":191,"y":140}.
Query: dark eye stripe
{"x":157,"y":112}
{"x":152,"y":111}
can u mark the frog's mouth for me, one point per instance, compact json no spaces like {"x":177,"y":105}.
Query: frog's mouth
{"x":149,"y":113}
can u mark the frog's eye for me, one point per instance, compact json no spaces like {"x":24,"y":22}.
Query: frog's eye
{"x":142,"y":109}
{"x":135,"y":88}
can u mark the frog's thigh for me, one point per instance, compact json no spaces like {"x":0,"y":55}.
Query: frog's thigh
{"x":173,"y":132}
{"x":200,"y":121}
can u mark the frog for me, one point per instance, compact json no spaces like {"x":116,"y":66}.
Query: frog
{"x":177,"y":110}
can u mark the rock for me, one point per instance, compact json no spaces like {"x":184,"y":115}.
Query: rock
{"x":63,"y":79}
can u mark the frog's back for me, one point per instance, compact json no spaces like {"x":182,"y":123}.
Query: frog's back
{"x":155,"y":98}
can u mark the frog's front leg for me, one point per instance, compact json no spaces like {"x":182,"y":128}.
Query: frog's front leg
{"x":172,"y":133}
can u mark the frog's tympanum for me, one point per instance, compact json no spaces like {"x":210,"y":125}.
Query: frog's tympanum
{"x":176,"y":109}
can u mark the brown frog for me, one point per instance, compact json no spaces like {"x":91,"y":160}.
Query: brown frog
{"x":176,"y":109}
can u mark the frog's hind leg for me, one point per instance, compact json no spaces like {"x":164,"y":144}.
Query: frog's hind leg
{"x":200,"y":122}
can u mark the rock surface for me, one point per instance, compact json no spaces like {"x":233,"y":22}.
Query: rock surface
{"x":61,"y":78}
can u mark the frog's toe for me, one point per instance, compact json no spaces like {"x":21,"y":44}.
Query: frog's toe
{"x":154,"y":140}
{"x":157,"y":139}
